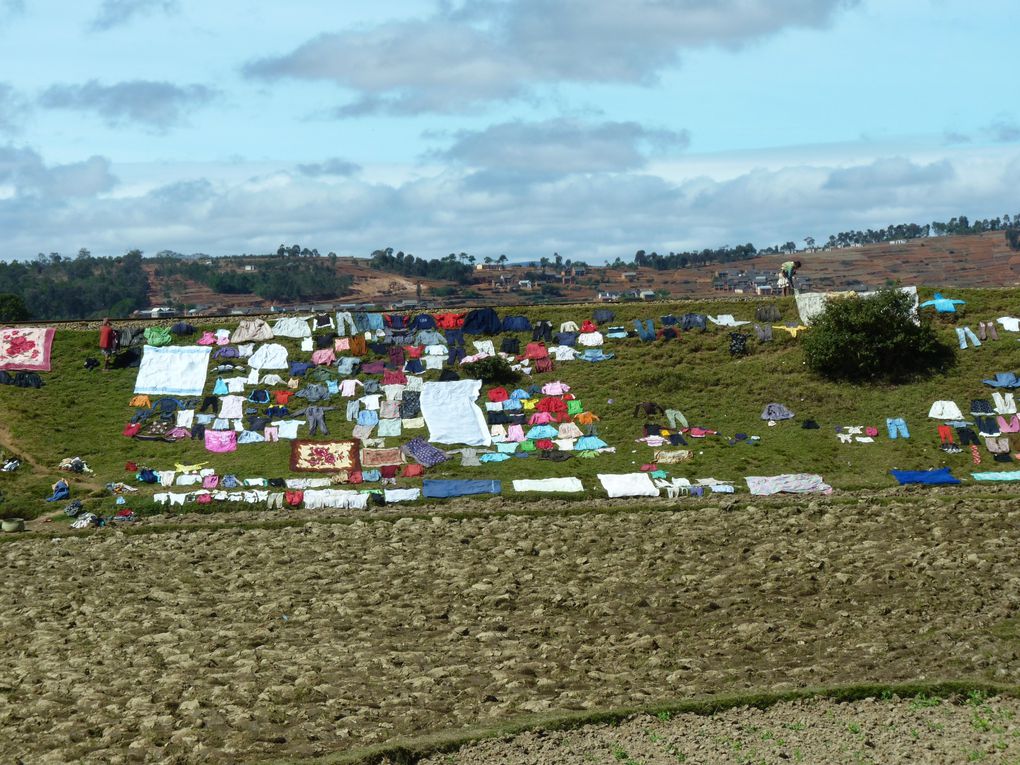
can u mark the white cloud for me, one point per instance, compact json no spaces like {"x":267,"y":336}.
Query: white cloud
{"x":156,"y":105}
{"x":584,"y":215}
{"x":500,"y":50}
{"x":115,"y":13}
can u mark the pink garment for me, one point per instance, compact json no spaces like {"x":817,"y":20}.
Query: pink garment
{"x":210,"y":482}
{"x":271,"y":433}
{"x":207,"y":338}
{"x":540,"y":418}
{"x":555,"y":388}
{"x":221,"y":440}
{"x":515,"y":433}
{"x":324,"y":357}
{"x":1012,"y":425}
{"x":342,"y":344}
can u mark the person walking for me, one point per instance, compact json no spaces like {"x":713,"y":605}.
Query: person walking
{"x":107,"y":342}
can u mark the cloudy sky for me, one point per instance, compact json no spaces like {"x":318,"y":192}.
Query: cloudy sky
{"x":591,"y":128}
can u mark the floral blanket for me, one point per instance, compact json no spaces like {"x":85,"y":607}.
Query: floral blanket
{"x":26,"y":348}
{"x":323,"y":456}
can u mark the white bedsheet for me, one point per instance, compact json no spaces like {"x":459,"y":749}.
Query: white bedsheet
{"x":628,"y":485}
{"x":451,"y":414}
{"x":177,"y":370}
{"x":549,"y":484}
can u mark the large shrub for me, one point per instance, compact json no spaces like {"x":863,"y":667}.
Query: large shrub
{"x":875,"y":339}
{"x":492,"y":370}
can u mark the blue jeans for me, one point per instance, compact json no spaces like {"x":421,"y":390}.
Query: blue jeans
{"x":964,"y":334}
{"x":897,"y":426}
{"x":645,"y":334}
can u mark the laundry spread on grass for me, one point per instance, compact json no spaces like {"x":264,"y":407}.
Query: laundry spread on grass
{"x":323,"y":456}
{"x":26,"y":349}
{"x":386,"y":407}
{"x":173,"y":371}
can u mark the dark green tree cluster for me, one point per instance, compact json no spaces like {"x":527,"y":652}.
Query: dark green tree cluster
{"x":56,"y":287}
{"x":453,"y":268}
{"x":275,"y":277}
{"x":875,"y":339}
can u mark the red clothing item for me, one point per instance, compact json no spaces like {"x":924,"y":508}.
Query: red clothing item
{"x":294,"y":498}
{"x":394,"y":378}
{"x":535,"y":351}
{"x":412,"y":471}
{"x":413,"y":351}
{"x":450,"y":320}
{"x":282,"y":396}
{"x":389,"y":471}
{"x":498,"y":394}
{"x":106,"y":337}
{"x":589,"y":326}
{"x":551,"y":405}
{"x":545,"y":443}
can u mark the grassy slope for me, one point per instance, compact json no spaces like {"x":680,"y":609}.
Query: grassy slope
{"x":82,"y":413}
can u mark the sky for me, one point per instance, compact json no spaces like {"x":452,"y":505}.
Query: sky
{"x":589,"y":128}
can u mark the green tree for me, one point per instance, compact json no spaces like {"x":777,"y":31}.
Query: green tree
{"x":13,"y":308}
{"x":875,"y":339}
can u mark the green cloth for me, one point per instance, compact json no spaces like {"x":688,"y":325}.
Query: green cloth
{"x":527,"y":446}
{"x":575,"y":406}
{"x":158,"y":336}
{"x":788,"y":268}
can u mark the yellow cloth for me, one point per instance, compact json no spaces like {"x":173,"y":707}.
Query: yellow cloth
{"x":792,"y":330}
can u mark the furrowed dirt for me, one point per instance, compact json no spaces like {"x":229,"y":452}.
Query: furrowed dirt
{"x":817,"y":731}
{"x":213,"y":645}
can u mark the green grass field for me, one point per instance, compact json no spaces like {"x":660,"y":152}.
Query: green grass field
{"x":81,"y":412}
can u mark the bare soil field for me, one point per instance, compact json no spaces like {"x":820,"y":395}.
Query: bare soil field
{"x":234,"y":645}
{"x":915,"y":730}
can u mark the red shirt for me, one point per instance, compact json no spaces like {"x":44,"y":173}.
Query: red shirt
{"x":106,"y":336}
{"x":551,"y":405}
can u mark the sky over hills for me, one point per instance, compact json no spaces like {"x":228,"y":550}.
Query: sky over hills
{"x":522,"y":127}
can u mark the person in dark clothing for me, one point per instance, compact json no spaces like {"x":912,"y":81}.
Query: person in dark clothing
{"x":649,"y":408}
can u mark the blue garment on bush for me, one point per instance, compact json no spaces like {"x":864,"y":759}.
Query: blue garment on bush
{"x":440,"y":488}
{"x":929,"y":477}
{"x":423,"y":321}
{"x":516,"y":324}
{"x":481,"y":321}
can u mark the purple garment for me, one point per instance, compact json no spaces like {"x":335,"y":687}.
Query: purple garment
{"x":423,"y":452}
{"x":374,"y":367}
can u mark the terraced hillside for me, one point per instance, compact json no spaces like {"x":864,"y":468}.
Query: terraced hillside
{"x":246,"y":633}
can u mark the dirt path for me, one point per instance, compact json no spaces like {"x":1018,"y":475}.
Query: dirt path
{"x":231,"y":645}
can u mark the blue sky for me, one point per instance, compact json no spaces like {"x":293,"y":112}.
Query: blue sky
{"x":591,"y":128}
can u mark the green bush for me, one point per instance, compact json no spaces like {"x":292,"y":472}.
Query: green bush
{"x":493,"y":370}
{"x":875,"y":339}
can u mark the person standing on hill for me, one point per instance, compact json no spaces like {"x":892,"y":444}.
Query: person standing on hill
{"x":107,"y":342}
{"x":787,"y":272}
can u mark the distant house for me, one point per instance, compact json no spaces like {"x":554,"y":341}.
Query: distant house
{"x":249,"y":267}
{"x":525,"y":284}
{"x":488,"y":267}
{"x":629,"y":276}
{"x":647,"y":294}
{"x":608,"y":297}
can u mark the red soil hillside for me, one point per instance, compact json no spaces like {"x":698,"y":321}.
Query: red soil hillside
{"x":983,"y":260}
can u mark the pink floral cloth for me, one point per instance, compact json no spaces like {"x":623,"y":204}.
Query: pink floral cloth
{"x":26,"y":348}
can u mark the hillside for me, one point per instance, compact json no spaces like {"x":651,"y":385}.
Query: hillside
{"x":982,"y":260}
{"x":235,"y":631}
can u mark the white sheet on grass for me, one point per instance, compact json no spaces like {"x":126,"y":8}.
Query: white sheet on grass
{"x":810,"y":304}
{"x":451,"y":414}
{"x":628,"y":485}
{"x":549,"y":484}
{"x":176,"y":370}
